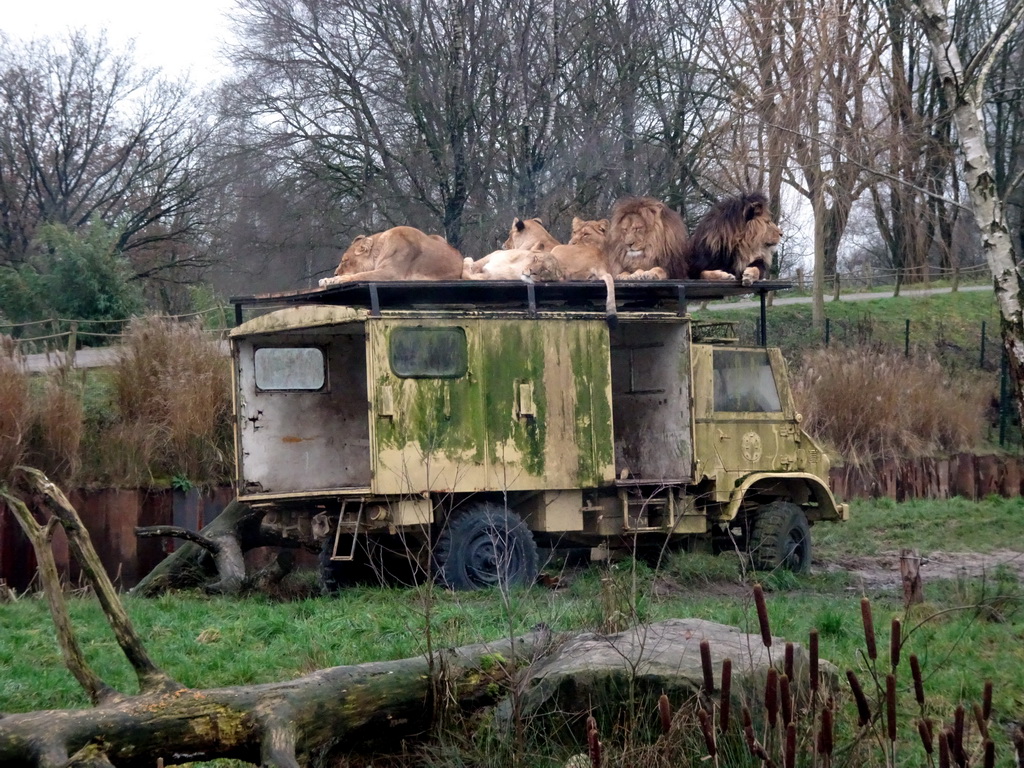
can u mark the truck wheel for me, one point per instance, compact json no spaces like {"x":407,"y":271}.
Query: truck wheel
{"x":485,"y":546}
{"x":781,"y":538}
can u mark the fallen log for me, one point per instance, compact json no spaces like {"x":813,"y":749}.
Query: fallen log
{"x":287,"y":724}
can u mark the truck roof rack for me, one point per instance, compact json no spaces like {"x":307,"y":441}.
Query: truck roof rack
{"x":511,"y":294}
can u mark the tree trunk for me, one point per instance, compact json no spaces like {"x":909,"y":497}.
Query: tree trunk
{"x":231,"y":533}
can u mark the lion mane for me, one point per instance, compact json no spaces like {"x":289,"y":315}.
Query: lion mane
{"x":736,"y":239}
{"x":646,"y":240}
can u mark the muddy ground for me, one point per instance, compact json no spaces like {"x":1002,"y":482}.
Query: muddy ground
{"x":883,"y":571}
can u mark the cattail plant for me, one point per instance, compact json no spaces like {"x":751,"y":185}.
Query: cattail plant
{"x":787,"y":666}
{"x":915,"y":672}
{"x":771,"y":696}
{"x":813,"y":651}
{"x":944,"y":749}
{"x":825,"y":745}
{"x":664,"y":714}
{"x":789,"y":752}
{"x":979,"y":718}
{"x":725,"y":695}
{"x":863,"y":710}
{"x":890,"y":709}
{"x":986,"y":701}
{"x":707,"y":728}
{"x":706,"y":668}
{"x":593,"y":743}
{"x":762,"y":616}
{"x":894,"y":645}
{"x":869,"y":628}
{"x":957,"y":748}
{"x":786,"y":700}
{"x":924,"y":730}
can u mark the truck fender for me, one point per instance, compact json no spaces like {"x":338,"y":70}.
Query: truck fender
{"x":816,"y":489}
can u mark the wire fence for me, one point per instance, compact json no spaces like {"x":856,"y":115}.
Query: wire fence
{"x":868,"y":277}
{"x":62,"y":338}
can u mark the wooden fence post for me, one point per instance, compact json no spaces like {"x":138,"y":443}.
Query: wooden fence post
{"x":910,"y":573}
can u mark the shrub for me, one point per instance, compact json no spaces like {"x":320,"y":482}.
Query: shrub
{"x":172,"y":399}
{"x":870,"y":404}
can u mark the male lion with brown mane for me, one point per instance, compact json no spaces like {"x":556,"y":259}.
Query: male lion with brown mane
{"x":646,"y":240}
{"x":399,"y":253}
{"x":736,"y":239}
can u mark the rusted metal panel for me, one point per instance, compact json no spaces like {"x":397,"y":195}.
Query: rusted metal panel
{"x":532,"y":410}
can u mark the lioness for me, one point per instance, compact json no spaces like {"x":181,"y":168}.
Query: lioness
{"x":399,"y":253}
{"x":513,"y":264}
{"x":646,"y":240}
{"x":736,"y":239}
{"x":530,"y":235}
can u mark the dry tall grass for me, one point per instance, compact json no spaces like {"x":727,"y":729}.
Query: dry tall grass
{"x":172,"y":397}
{"x":15,"y":410}
{"x":869,"y":404}
{"x":58,"y":427}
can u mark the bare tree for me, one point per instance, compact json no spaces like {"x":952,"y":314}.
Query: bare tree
{"x":803,"y":73}
{"x":86,"y":135}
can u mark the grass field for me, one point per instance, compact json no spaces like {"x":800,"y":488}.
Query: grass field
{"x":969,"y":629}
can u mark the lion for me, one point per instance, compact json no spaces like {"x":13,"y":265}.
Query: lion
{"x":399,"y":253}
{"x":513,"y":264}
{"x":646,"y":240}
{"x":736,"y":239}
{"x":529,"y":235}
{"x":582,"y":259}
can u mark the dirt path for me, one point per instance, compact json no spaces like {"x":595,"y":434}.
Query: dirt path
{"x":883,"y":571}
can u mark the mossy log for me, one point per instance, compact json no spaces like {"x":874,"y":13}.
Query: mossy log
{"x":284,"y":724}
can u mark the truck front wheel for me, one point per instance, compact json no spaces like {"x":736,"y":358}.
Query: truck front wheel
{"x":781,"y":538}
{"x":485,"y":546}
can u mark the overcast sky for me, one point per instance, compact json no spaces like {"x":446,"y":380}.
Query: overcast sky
{"x":178,"y":36}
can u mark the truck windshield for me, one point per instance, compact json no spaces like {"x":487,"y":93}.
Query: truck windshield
{"x":744,"y":382}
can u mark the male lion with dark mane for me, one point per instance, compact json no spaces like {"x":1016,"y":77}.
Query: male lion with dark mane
{"x":646,"y":240}
{"x":399,"y":253}
{"x":736,"y":239}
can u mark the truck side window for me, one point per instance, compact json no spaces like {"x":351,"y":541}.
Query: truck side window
{"x":290,"y":368}
{"x":744,"y":382}
{"x":428,"y":353}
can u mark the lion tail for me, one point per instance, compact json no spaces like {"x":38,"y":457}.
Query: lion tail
{"x":611,"y":310}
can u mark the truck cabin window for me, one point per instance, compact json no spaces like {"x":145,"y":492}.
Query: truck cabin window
{"x":290,"y":368}
{"x":428,"y":353}
{"x":744,"y":382}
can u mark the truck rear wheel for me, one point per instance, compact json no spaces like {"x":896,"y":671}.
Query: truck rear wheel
{"x":486,"y":546}
{"x":781,"y":538}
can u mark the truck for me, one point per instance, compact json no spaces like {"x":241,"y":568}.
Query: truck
{"x":451,"y":430}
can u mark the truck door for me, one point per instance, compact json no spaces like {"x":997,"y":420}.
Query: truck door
{"x":474,"y":404}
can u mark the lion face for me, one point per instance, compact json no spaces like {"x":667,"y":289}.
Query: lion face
{"x":358,"y":257}
{"x":761,"y":238}
{"x":529,"y":234}
{"x":592,"y":233}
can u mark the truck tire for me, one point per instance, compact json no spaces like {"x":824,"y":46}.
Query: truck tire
{"x":781,"y":538}
{"x":485,"y":546}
